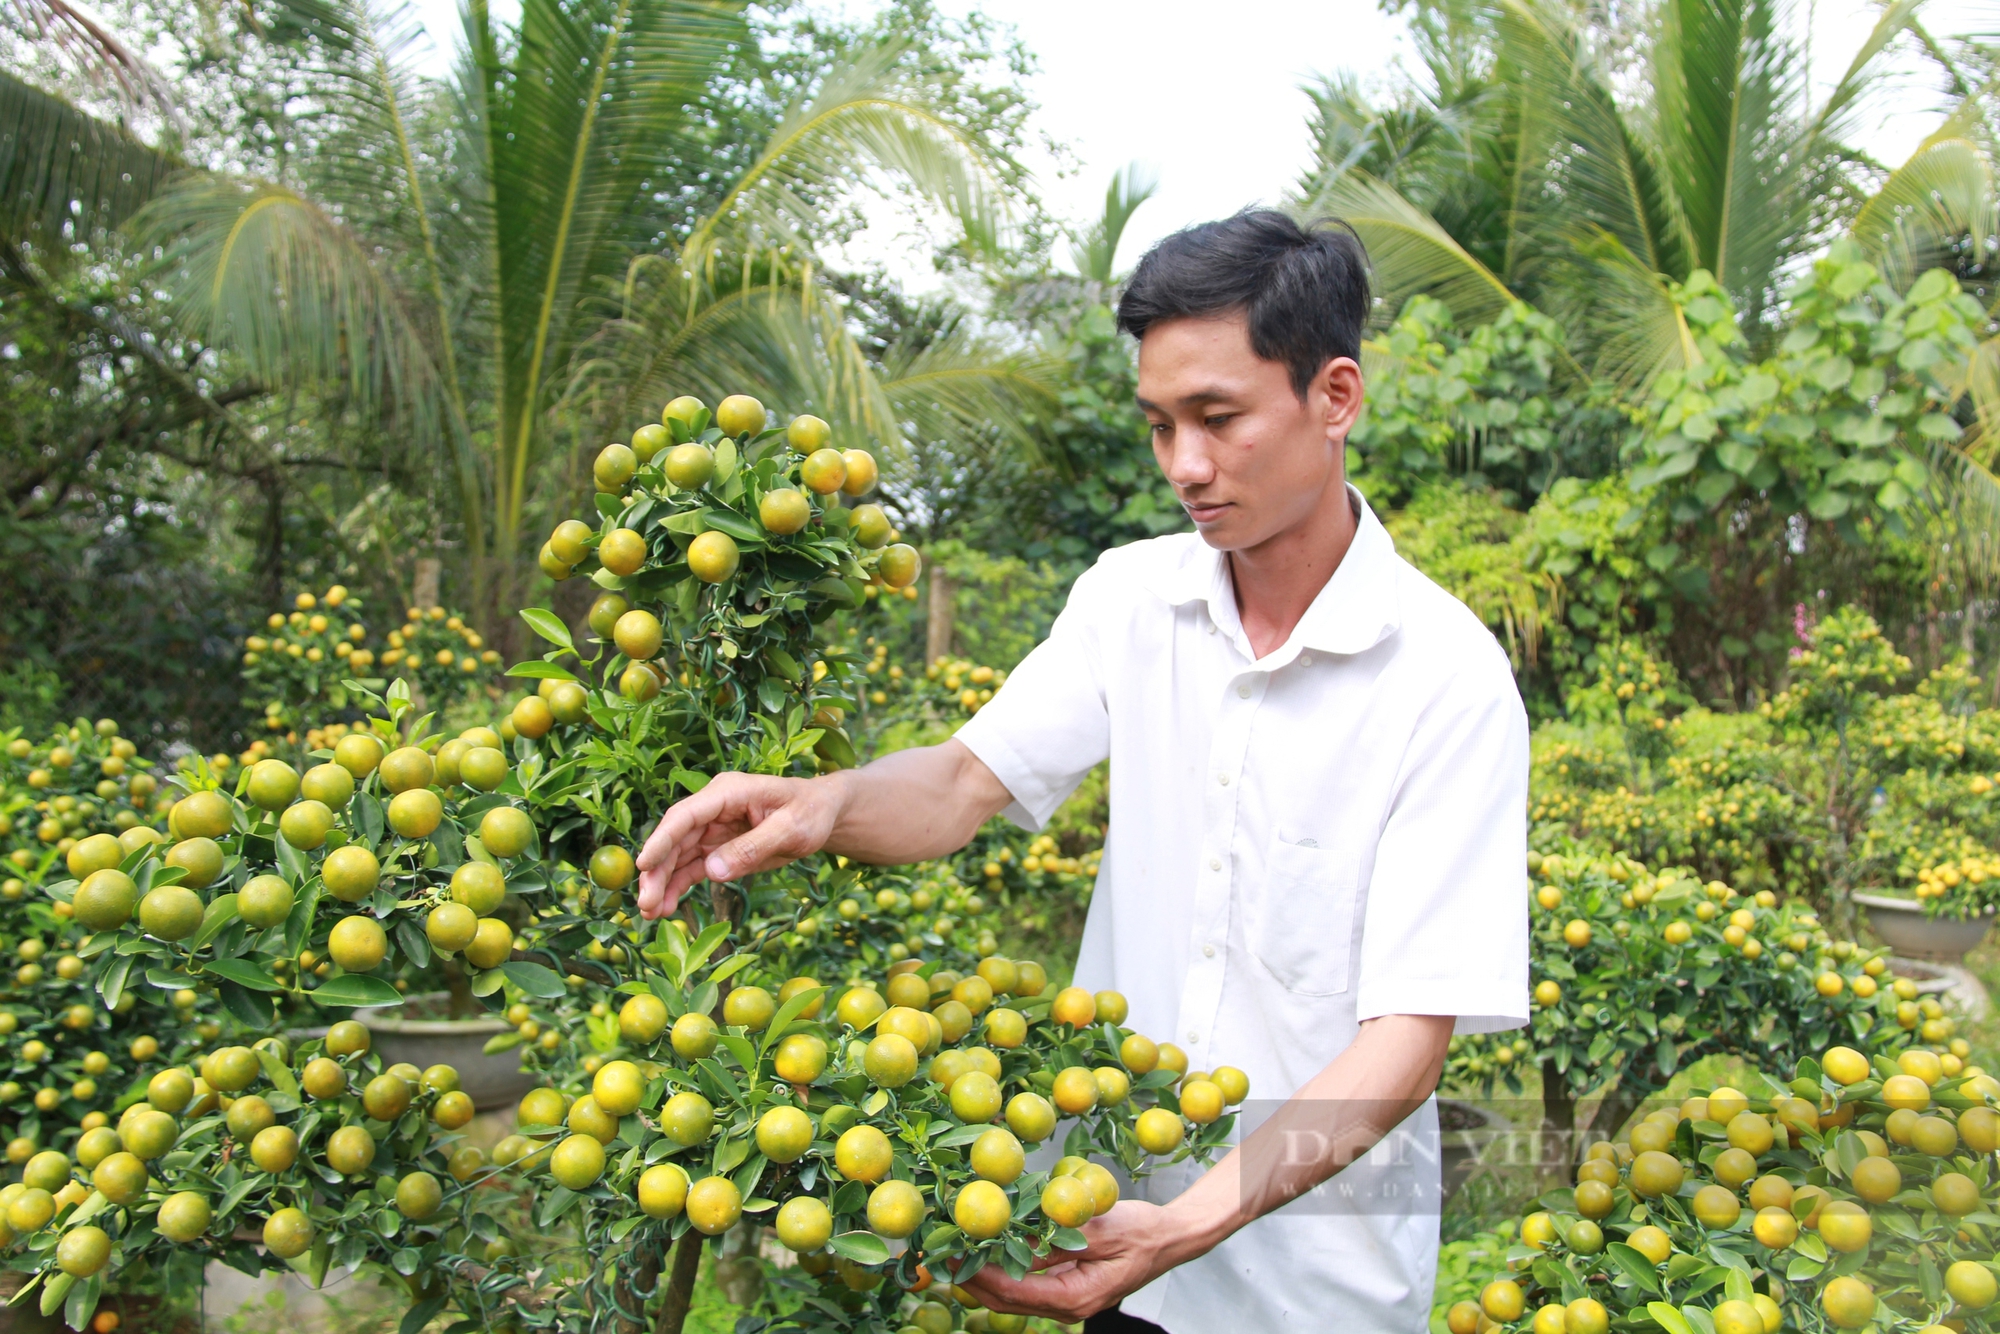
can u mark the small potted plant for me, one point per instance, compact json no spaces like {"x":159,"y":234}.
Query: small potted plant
{"x":1949,"y":909}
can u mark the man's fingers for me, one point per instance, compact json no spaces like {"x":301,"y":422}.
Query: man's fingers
{"x":660,"y":889}
{"x":1061,"y":1296}
{"x":726,"y":795}
{"x":652,"y":893}
{"x":771,"y":843}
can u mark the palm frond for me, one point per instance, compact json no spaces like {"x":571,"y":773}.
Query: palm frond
{"x":1837,"y":119}
{"x":1937,"y":199}
{"x":1409,"y":253}
{"x":861,"y":118}
{"x":98,"y":53}
{"x":678,"y":335}
{"x":1095,"y":253}
{"x":365,"y":77}
{"x":569,"y":123}
{"x":63,"y":172}
{"x":1641,"y":333}
{"x":1595,"y":173}
{"x":268,"y":273}
{"x":1964,"y":504}
{"x":959,"y":383}
{"x":1982,"y":388}
{"x":1727,"y":77}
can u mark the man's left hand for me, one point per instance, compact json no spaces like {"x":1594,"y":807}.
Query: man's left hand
{"x":1129,"y":1247}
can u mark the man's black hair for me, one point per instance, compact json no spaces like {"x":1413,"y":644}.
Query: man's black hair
{"x":1303,"y":289}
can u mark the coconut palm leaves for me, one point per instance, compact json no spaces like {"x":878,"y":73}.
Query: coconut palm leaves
{"x":1410,"y":253}
{"x":63,"y":170}
{"x":678,"y":333}
{"x":865,"y":117}
{"x":1095,"y":253}
{"x":1716,"y":158}
{"x":448,"y":259}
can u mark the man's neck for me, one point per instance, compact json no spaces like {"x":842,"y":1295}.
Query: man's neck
{"x":1277,"y":580}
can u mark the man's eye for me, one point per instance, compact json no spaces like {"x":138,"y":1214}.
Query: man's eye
{"x":1218,"y":420}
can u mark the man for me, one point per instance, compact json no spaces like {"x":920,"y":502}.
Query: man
{"x":1316,"y":860}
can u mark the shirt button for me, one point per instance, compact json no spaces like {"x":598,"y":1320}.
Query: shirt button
{"x":1211,"y":627}
{"x":1193,"y":1036}
{"x":1215,"y":863}
{"x":1222,"y":779}
{"x":1208,"y":952}
{"x":1243,"y":691}
{"x":1305,"y":659}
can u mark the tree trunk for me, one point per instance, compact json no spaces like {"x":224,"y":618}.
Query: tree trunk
{"x":645,"y":1280}
{"x":1558,"y":1150}
{"x":424,"y":591}
{"x":680,"y":1287}
{"x":460,"y":987}
{"x":938,"y":632}
{"x":1611,"y":1112}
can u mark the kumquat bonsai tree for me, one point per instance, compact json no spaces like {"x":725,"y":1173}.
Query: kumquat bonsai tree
{"x":871,"y":1095}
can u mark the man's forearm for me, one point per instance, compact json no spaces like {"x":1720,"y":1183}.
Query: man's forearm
{"x":1388,"y":1071}
{"x":913,"y":805}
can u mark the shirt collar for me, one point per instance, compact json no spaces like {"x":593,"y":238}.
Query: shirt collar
{"x":1356,"y":610}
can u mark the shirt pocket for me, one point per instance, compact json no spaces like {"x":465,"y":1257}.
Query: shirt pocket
{"x":1301,"y":928}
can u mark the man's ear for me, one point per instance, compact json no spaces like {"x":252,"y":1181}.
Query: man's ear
{"x":1339,"y":383}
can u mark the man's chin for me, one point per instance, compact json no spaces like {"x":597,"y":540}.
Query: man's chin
{"x":1226,"y":532}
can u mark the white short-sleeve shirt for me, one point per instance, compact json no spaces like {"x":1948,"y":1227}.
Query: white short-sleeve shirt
{"x":1330,"y":833}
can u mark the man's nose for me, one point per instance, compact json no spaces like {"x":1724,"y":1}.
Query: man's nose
{"x":1189,"y":463}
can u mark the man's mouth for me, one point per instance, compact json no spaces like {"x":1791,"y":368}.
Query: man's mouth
{"x":1204,"y":511}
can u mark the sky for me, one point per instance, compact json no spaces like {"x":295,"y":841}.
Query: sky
{"x":1209,"y":96}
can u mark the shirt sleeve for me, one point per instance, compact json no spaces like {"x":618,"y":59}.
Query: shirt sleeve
{"x":1048,"y":726}
{"x":1446,"y":930}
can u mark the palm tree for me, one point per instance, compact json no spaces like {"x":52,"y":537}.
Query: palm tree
{"x":1550,"y":172}
{"x":477,"y":266}
{"x":1533,"y":164}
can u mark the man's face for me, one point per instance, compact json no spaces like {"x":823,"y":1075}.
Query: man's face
{"x":1247,"y":458}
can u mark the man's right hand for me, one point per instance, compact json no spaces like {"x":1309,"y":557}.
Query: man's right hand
{"x":737,"y":825}
{"x":905,"y":807}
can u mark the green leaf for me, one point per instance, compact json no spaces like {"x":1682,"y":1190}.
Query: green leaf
{"x":421,"y":1314}
{"x":863,"y":1248}
{"x":356,"y":990}
{"x":744,"y":531}
{"x":534,"y":979}
{"x":244,"y":1004}
{"x":111,"y":984}
{"x":277,"y":1072}
{"x":1669,"y":1319}
{"x":540,"y":671}
{"x":59,"y":1286}
{"x":705,"y":944}
{"x":688,"y":523}
{"x":1634,"y":1265}
{"x":730,"y":967}
{"x":244,"y":974}
{"x":787,"y":1012}
{"x":549,"y":626}
{"x":221,"y":912}
{"x":837,"y":591}
{"x":740,"y":1048}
